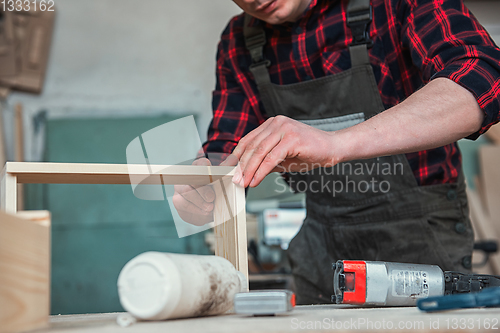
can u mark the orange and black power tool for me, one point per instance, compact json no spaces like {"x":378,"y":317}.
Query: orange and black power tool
{"x":397,"y":284}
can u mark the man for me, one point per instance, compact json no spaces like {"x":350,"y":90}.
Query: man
{"x":362,"y":106}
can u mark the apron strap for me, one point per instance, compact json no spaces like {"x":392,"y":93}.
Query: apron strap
{"x":360,"y":6}
{"x":359,"y":17}
{"x":255,"y":39}
{"x":359,"y":55}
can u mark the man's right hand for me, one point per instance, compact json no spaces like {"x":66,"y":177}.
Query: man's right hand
{"x":195,"y":205}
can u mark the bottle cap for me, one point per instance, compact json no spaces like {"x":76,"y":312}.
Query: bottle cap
{"x":149,"y":286}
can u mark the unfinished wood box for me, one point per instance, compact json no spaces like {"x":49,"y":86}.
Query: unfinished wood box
{"x":230,"y":236}
{"x":24,"y":271}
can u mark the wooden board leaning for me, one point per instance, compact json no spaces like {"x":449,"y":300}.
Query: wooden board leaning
{"x":24,"y":271}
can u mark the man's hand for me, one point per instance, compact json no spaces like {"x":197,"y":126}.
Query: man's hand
{"x":282,"y":144}
{"x":195,"y":205}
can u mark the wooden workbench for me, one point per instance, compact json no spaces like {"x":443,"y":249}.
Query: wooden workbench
{"x":303,"y":318}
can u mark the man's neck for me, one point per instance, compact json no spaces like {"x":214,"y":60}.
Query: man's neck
{"x":300,"y":11}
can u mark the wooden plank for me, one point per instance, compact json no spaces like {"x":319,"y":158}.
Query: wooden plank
{"x":225,"y":229}
{"x":24,"y":271}
{"x":8,"y":192}
{"x":230,"y":224}
{"x":480,"y":191}
{"x":3,"y":158}
{"x":241,"y":230}
{"x":479,"y":221}
{"x":84,"y":173}
{"x":490,"y":173}
{"x":19,"y":151}
{"x":483,"y":229}
{"x":40,"y":217}
{"x":494,"y":134}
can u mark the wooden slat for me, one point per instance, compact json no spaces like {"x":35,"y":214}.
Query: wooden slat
{"x":484,"y":229}
{"x":3,"y":157}
{"x":494,"y":134}
{"x":490,"y":174}
{"x":19,"y":151}
{"x":84,"y":173}
{"x":24,"y":271}
{"x":241,"y":230}
{"x":8,"y":192}
{"x":40,"y":217}
{"x":230,"y":224}
{"x":225,"y":230}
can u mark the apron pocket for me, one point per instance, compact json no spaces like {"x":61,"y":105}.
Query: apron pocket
{"x":453,"y":237}
{"x":407,"y":241}
{"x":311,"y":263}
{"x":336,"y":123}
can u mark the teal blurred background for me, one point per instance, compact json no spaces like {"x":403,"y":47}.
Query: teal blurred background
{"x":96,"y":229}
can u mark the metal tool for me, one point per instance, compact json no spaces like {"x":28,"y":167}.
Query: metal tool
{"x":398,"y":284}
{"x":264,"y":302}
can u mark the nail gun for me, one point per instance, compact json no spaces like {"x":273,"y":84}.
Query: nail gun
{"x":397,"y":284}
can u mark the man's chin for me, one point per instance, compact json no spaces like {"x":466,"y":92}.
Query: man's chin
{"x":275,"y":20}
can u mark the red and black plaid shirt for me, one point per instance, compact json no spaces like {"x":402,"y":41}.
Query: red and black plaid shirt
{"x":415,"y":42}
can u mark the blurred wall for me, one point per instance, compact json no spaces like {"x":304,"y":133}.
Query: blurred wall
{"x":488,"y":13}
{"x":124,"y":57}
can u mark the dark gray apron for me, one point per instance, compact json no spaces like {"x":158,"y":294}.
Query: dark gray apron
{"x":368,"y":209}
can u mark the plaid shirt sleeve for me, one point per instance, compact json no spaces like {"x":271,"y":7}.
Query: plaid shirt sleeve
{"x":445,"y":40}
{"x":233,"y":112}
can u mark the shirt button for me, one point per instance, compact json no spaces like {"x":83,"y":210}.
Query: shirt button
{"x":451,"y":195}
{"x":467,"y":262}
{"x":298,"y":30}
{"x":460,"y":228}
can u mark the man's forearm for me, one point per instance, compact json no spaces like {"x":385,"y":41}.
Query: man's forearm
{"x":438,"y":114}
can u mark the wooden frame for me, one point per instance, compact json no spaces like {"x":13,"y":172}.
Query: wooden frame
{"x":230,"y":237}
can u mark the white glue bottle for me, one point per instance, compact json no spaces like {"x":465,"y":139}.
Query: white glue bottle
{"x":158,"y":286}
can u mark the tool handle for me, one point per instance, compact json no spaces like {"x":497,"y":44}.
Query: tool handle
{"x":489,"y":297}
{"x":441,"y":303}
